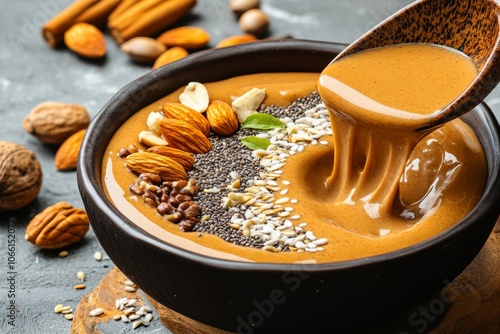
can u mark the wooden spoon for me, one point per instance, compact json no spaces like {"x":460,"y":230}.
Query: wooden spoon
{"x":472,"y":27}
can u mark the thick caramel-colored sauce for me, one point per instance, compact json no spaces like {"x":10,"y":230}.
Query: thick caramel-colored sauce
{"x":380,"y":100}
{"x":307,"y":173}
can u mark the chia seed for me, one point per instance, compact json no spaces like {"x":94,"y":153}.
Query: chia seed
{"x":212,"y":170}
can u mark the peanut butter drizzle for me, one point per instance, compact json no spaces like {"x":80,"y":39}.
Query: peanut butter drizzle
{"x":380,"y":99}
{"x":351,"y":234}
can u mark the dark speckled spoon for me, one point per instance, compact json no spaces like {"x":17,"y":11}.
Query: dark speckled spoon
{"x":470,"y":26}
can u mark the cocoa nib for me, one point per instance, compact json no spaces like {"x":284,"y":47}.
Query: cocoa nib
{"x":172,"y":200}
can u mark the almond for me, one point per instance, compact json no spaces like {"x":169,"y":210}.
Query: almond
{"x":235,"y":40}
{"x":222,"y":118}
{"x":186,"y":114}
{"x":184,"y":136}
{"x":148,"y":162}
{"x":57,"y":226}
{"x":143,"y":49}
{"x":67,"y":154}
{"x":169,"y":56}
{"x":184,"y":158}
{"x":186,"y":37}
{"x":85,"y":40}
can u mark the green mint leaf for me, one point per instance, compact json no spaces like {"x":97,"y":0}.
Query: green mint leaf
{"x":256,"y":143}
{"x":261,"y":121}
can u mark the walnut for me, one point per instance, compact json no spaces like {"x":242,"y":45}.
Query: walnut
{"x":20,"y":176}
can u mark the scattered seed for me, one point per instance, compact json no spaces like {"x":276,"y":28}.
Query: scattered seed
{"x":130,"y":289}
{"x":98,"y":256}
{"x":129,"y":283}
{"x":136,"y":324}
{"x":63,"y":254}
{"x":58,"y":308}
{"x":69,"y":316}
{"x":131,"y":302}
{"x":67,"y":311}
{"x":124,"y":318}
{"x":80,"y":275}
{"x":80,"y":286}
{"x":97,"y":312}
{"x":117,"y":317}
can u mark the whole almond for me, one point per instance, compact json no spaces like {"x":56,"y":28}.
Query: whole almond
{"x":222,"y":118}
{"x":148,"y":162}
{"x":184,"y":158}
{"x":186,"y":114}
{"x":143,"y":49}
{"x":57,"y":226}
{"x":187,"y":37}
{"x":85,"y":40}
{"x":169,"y":56}
{"x":52,"y":122}
{"x":184,"y":136}
{"x":66,"y":157}
{"x":235,"y":40}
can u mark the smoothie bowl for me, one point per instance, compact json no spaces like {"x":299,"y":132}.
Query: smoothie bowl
{"x":246,"y":242}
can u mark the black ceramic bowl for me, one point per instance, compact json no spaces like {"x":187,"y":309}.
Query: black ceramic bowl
{"x":259,"y":297}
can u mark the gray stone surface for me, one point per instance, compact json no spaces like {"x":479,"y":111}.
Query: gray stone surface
{"x":31,"y":72}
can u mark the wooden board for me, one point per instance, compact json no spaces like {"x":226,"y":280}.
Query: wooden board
{"x":469,"y":304}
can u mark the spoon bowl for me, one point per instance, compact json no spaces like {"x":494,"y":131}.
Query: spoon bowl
{"x":472,"y":27}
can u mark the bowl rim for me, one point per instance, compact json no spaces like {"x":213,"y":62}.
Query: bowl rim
{"x":88,"y":174}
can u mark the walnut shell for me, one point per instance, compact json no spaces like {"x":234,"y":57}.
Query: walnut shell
{"x":20,"y":176}
{"x":52,"y":122}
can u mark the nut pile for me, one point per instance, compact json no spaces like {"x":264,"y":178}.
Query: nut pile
{"x":240,"y":195}
{"x":144,"y":29}
{"x":262,"y":213}
{"x":172,"y":200}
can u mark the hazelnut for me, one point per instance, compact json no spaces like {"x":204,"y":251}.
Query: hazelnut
{"x":254,"y":21}
{"x":240,"y":6}
{"x":20,"y":176}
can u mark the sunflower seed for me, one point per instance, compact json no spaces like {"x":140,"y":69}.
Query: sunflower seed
{"x":63,"y":254}
{"x":98,"y":256}
{"x":80,"y":275}
{"x":136,"y":324}
{"x":96,"y":312}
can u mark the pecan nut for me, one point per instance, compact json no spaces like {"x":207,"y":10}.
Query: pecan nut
{"x":57,"y":226}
